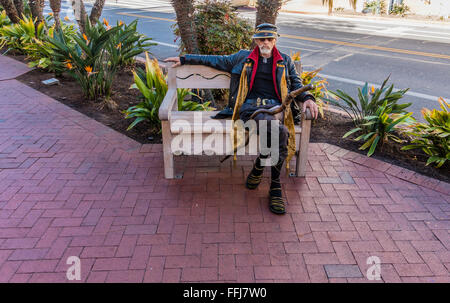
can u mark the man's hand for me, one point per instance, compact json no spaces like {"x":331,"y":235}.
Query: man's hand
{"x":312,"y":107}
{"x":173,"y":59}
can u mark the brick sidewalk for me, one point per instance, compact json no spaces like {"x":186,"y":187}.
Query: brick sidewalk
{"x":70,"y":186}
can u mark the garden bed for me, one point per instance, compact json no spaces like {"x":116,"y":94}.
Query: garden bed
{"x":329,"y":129}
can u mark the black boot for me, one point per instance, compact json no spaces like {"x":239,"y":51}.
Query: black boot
{"x":255,"y":175}
{"x":276,"y":202}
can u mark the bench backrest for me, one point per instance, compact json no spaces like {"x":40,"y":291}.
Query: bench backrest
{"x":197,"y":76}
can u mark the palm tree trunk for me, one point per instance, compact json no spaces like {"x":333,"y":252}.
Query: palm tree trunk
{"x":55,"y":5}
{"x":80,"y":14}
{"x":19,"y":7}
{"x":267,"y":11}
{"x":37,"y":10}
{"x":11,"y":10}
{"x":184,"y":10}
{"x":96,"y":11}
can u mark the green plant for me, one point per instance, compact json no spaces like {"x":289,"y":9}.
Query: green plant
{"x":368,"y":101}
{"x":17,"y":36}
{"x":320,"y":90}
{"x":376,"y":6}
{"x":399,"y":9}
{"x":153,"y":86}
{"x":219,"y":30}
{"x":126,"y":43}
{"x":41,"y":52}
{"x":433,"y":137}
{"x":4,"y":20}
{"x":88,"y":61}
{"x":380,"y":127}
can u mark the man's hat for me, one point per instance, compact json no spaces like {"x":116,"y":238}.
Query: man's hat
{"x":266,"y":30}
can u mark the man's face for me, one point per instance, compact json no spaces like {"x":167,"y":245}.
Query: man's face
{"x":266,"y":45}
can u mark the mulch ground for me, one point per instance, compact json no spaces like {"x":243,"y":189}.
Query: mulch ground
{"x":329,"y":129}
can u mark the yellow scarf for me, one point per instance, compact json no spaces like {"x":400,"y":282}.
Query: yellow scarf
{"x":236,"y":129}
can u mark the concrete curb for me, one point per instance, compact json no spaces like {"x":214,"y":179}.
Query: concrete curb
{"x":387,"y":168}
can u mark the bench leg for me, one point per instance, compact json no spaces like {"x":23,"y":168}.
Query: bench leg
{"x":302,"y":156}
{"x":169,"y":168}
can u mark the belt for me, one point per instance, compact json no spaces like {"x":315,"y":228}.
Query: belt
{"x":259,"y":101}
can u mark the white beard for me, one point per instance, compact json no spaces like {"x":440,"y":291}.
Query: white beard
{"x":265,"y":51}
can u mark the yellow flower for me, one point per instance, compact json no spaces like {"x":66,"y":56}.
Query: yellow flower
{"x":50,"y":14}
{"x":69,"y":65}
{"x":373,"y":89}
{"x":105,"y":22}
{"x":66,"y":18}
{"x":119,"y":46}
{"x":88,"y":69}
{"x":120,"y":23}
{"x":85,"y":37}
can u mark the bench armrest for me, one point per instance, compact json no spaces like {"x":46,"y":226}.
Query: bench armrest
{"x":167,"y":104}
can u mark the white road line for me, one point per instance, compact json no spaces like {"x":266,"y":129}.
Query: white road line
{"x":360,"y":83}
{"x":165,"y":44}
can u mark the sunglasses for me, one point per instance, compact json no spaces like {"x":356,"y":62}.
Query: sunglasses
{"x":264,"y":39}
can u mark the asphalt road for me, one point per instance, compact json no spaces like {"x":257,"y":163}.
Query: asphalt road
{"x":350,"y":52}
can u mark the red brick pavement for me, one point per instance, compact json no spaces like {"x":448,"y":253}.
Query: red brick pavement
{"x":70,"y":186}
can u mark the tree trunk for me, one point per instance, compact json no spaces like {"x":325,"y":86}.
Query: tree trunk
{"x":80,"y":14}
{"x":184,"y":10}
{"x":267,"y":11}
{"x":36,"y":10}
{"x":55,"y":5}
{"x":96,"y":11}
{"x":19,"y":7}
{"x":11,"y":10}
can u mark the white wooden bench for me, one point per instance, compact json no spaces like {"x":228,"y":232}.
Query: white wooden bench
{"x":204,"y":77}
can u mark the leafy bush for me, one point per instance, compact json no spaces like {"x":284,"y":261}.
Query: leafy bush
{"x":17,"y":36}
{"x":24,"y":37}
{"x":399,"y":9}
{"x":88,"y":61}
{"x":320,"y":90}
{"x":376,"y":7}
{"x":368,"y":102}
{"x":41,"y":53}
{"x":4,"y":20}
{"x":220,"y":31}
{"x":153,"y":86}
{"x":433,"y":137}
{"x":380,"y":127}
{"x":126,"y":43}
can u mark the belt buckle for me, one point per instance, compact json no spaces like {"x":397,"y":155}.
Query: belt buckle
{"x":258,"y":102}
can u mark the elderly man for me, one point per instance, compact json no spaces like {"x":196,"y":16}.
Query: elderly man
{"x":261,"y":79}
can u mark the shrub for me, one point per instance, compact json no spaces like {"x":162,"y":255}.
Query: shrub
{"x":320,"y":90}
{"x":153,"y":86}
{"x":17,"y":36}
{"x":380,"y":127}
{"x":41,"y":52}
{"x":24,"y":37}
{"x":220,"y":31}
{"x":399,"y":9}
{"x":433,"y":137}
{"x":88,"y":61}
{"x":4,"y":20}
{"x":376,"y":6}
{"x":126,"y":43}
{"x":368,"y":102}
